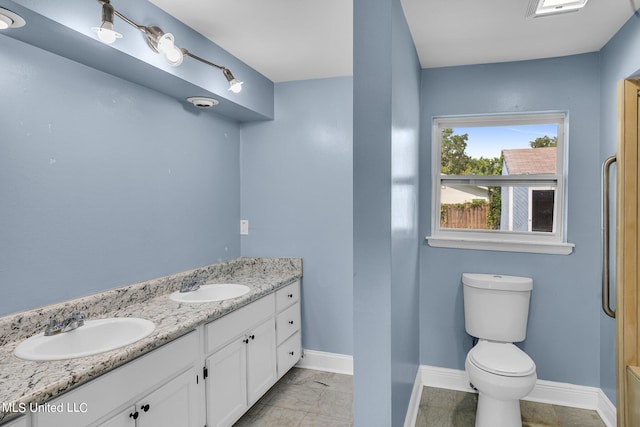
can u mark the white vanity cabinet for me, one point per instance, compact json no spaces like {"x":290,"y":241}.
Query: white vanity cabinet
{"x":173,"y":404}
{"x":159,"y":389}
{"x":210,"y":376}
{"x":288,"y":327}
{"x":241,"y":360}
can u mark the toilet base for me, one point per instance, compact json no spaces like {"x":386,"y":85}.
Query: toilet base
{"x":492,"y":412}
{"x":498,"y":395}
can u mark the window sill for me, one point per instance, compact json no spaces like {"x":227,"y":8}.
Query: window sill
{"x":502,"y":245}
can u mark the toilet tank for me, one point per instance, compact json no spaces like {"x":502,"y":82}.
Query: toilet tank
{"x":496,"y":307}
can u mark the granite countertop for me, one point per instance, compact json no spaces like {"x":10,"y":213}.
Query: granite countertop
{"x":23,"y":381}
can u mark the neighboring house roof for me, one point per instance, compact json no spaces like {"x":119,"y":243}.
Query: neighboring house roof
{"x":520,"y":161}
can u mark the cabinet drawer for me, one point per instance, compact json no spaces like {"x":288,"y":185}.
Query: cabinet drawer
{"x":288,"y":295}
{"x":227,"y":328}
{"x":289,"y":353}
{"x":288,"y":322}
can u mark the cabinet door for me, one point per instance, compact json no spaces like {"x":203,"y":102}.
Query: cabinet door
{"x":125,"y":418}
{"x":227,"y":384}
{"x":261,"y":360}
{"x":172,"y":405}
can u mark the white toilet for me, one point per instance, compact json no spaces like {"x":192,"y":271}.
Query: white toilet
{"x":496,"y":309}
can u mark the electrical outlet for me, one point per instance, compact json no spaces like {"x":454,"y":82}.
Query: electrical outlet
{"x":244,"y":227}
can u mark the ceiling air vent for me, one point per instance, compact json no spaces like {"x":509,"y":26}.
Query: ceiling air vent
{"x":538,"y":8}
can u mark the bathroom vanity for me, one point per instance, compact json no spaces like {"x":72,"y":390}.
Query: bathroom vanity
{"x":248,"y":351}
{"x":205,"y":364}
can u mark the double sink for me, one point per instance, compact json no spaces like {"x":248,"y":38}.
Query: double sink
{"x":102,"y":335}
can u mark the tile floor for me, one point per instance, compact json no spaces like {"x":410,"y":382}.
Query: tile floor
{"x":449,"y":408}
{"x":308,"y":398}
{"x":304,"y":398}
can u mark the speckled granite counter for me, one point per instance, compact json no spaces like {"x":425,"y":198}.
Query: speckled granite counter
{"x":23,"y":381}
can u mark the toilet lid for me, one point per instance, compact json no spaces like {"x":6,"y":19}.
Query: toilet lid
{"x":501,"y":359}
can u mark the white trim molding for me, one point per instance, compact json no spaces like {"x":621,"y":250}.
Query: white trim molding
{"x":504,"y":246}
{"x":329,"y":362}
{"x":414,"y":402}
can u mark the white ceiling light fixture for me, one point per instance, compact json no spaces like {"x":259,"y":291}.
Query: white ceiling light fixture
{"x":9,"y":19}
{"x":158,"y":41}
{"x":539,"y":8}
{"x":202,"y":101}
{"x":5,"y":22}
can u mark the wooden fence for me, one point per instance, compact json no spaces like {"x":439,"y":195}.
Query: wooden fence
{"x":468,"y":216}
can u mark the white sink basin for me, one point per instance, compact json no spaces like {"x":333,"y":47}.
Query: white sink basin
{"x":96,"y":336}
{"x":210,"y":293}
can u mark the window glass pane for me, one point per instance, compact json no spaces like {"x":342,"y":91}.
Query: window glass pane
{"x":542,"y":210}
{"x":499,"y":150}
{"x":512,"y":208}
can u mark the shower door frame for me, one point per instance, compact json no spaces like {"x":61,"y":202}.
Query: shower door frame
{"x":627,"y":243}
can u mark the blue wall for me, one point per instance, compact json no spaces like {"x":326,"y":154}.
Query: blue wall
{"x":385,"y":186}
{"x":296,"y":174}
{"x":104,"y":183}
{"x":405,"y":240}
{"x":620,"y":60}
{"x":564,"y":322}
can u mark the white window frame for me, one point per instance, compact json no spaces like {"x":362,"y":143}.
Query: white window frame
{"x":512,"y":241}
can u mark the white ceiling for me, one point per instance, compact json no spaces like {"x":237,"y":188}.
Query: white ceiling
{"x":305,"y":39}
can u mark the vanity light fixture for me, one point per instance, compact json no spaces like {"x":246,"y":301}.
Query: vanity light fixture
{"x":539,"y":8}
{"x":105,"y":31}
{"x":158,"y":41}
{"x":9,"y":19}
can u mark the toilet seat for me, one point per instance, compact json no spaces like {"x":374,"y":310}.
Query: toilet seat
{"x":501,"y":359}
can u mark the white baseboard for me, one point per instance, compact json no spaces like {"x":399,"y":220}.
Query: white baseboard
{"x":551,"y":392}
{"x":556,"y":393}
{"x":329,"y":362}
{"x":450,"y":379}
{"x":414,"y":402}
{"x":607,"y":410}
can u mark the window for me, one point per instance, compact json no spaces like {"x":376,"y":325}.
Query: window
{"x":498,"y":182}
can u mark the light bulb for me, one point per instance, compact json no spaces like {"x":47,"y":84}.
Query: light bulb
{"x":165,"y":43}
{"x":106,"y":34}
{"x":235,"y":86}
{"x":105,"y":31}
{"x":167,"y":47}
{"x":174,"y":56}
